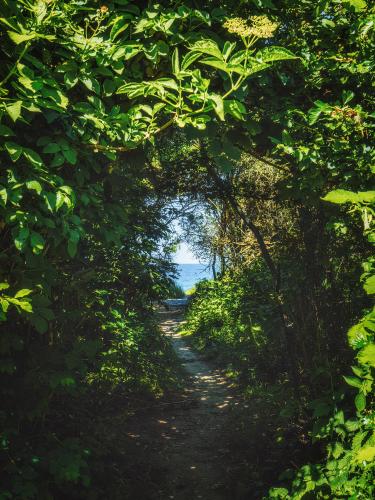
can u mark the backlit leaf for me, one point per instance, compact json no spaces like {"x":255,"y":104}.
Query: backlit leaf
{"x":23,"y":293}
{"x":18,"y":38}
{"x":218,"y":105}
{"x":14,"y":110}
{"x":367,"y":355}
{"x":369,"y":285}
{"x":34,"y":186}
{"x":340,"y":196}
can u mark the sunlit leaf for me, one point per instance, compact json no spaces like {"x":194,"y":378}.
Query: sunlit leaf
{"x":23,"y":293}
{"x":34,"y":186}
{"x":14,"y":150}
{"x":14,"y":110}
{"x":271,"y":54}
{"x":189,"y":58}
{"x":18,"y":38}
{"x":367,"y":355}
{"x":207,"y":46}
{"x":218,"y":105}
{"x":341,"y":196}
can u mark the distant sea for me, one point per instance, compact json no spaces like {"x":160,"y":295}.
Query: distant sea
{"x":190,"y":274}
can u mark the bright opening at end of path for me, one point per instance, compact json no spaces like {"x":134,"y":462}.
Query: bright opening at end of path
{"x":190,"y":269}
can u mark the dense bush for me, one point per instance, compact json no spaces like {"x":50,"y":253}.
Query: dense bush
{"x":233,"y":319}
{"x":318,"y":122}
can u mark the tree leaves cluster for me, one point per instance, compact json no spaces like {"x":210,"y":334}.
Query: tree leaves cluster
{"x":81,"y":85}
{"x":317,"y":119}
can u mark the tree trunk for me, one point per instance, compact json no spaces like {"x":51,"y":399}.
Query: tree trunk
{"x":287,"y":325}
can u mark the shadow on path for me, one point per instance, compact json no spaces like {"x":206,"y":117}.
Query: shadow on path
{"x":179,"y":448}
{"x":194,"y":451}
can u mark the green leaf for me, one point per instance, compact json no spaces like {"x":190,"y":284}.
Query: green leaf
{"x":337,"y":449}
{"x":235,"y":108}
{"x":366,"y":196}
{"x":3,"y":196}
{"x":132,"y":89}
{"x":254,"y":67}
{"x":91,"y":83}
{"x":125,"y":52}
{"x":40,"y":323}
{"x":341,"y":196}
{"x":353,"y":381}
{"x":271,"y":54}
{"x":52,"y":147}
{"x":109,"y":87}
{"x":314,"y":115}
{"x":34,"y":186}
{"x":328,"y":23}
{"x":74,"y":236}
{"x":347,"y":96}
{"x":46,"y":313}
{"x":218,"y":64}
{"x":207,"y":46}
{"x":70,"y":155}
{"x":14,"y":110}
{"x":6,"y":131}
{"x":119,"y":25}
{"x":4,"y":286}
{"x":228,"y":49}
{"x":58,"y":160}
{"x":37,"y":242}
{"x":233,"y":153}
{"x":357,"y":4}
{"x":366,"y":454}
{"x":175,"y":62}
{"x":17,"y":38}
{"x":33,"y":157}
{"x":21,"y":238}
{"x":70,"y":79}
{"x":367,"y":355}
{"x":23,"y":304}
{"x":224,"y":164}
{"x":188,"y":59}
{"x":9,"y":22}
{"x":23,"y":293}
{"x":60,"y":200}
{"x":278,"y":493}
{"x":218,"y":105}
{"x":169,"y":83}
{"x":360,"y":401}
{"x":72,"y":248}
{"x":369,"y":285}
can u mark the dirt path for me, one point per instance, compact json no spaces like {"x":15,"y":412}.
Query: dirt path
{"x":194,"y":450}
{"x":181,"y":448}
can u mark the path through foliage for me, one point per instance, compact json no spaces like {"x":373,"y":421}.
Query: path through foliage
{"x":180,"y":445}
{"x":195,"y":453}
{"x":252,"y":123}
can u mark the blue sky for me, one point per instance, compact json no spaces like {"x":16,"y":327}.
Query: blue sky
{"x":184,"y":255}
